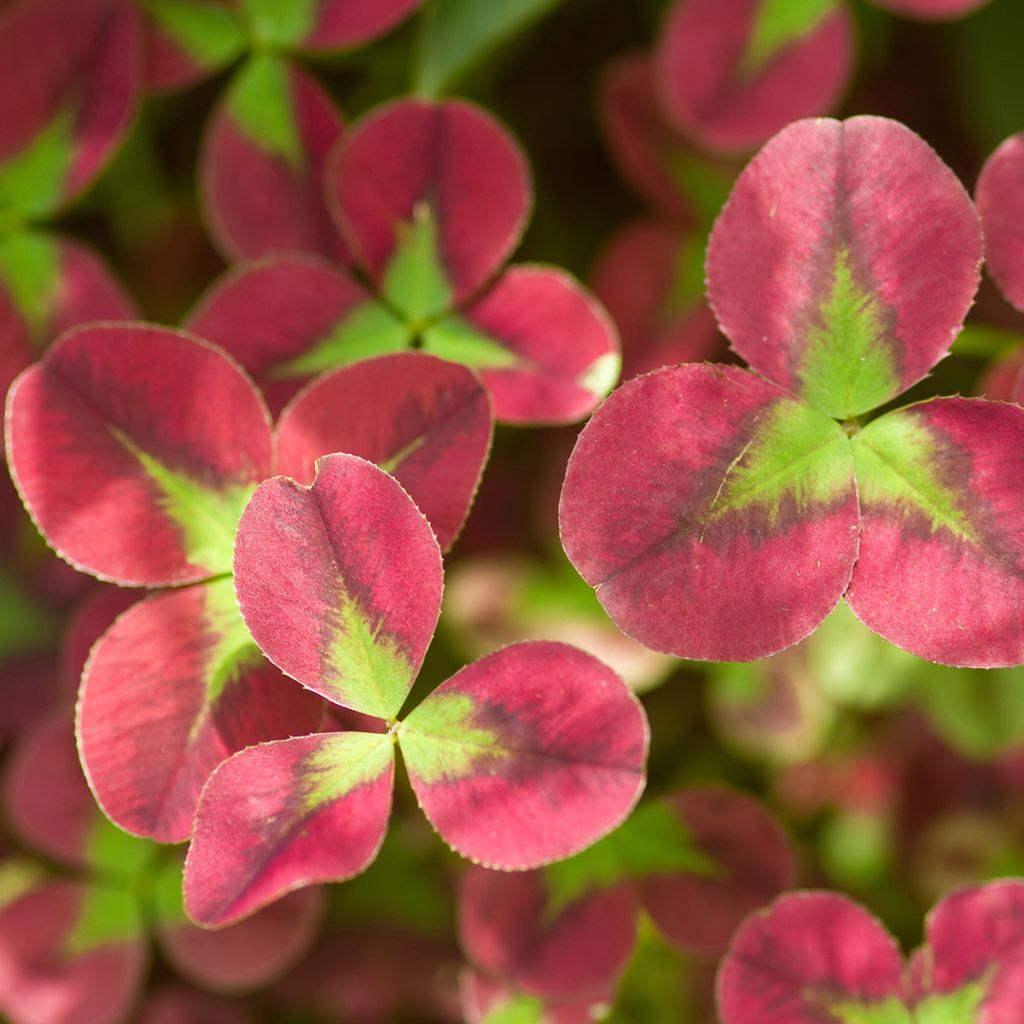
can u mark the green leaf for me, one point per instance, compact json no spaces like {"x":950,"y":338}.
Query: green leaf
{"x":30,"y":270}
{"x":780,"y":23}
{"x":260,"y":100}
{"x":457,"y":34}
{"x":32,"y":181}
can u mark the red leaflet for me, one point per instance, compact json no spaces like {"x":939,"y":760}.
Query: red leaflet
{"x":1000,"y":195}
{"x":651,"y":278}
{"x":114,"y":428}
{"x":546,"y":350}
{"x":701,"y":497}
{"x":340,"y":597}
{"x":70,"y":954}
{"x":815,"y":955}
{"x":341,"y":24}
{"x":941,"y":566}
{"x":425,"y":421}
{"x":69,"y":83}
{"x":508,"y":929}
{"x":287,"y":318}
{"x":287,"y":814}
{"x":752,"y":858}
{"x":731,"y":76}
{"x":209,"y":692}
{"x":844,"y":262}
{"x":262,"y":163}
{"x":432,"y":198}
{"x":89,"y":620}
{"x":545,"y":737}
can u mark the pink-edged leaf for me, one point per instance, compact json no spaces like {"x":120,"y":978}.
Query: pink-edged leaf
{"x":69,"y":84}
{"x":732,"y":74}
{"x":71,"y":954}
{"x":262,"y":163}
{"x":941,"y":566}
{"x":90,"y":619}
{"x":651,"y":279}
{"x":845,"y":261}
{"x":527,"y":756}
{"x":544,"y":346}
{"x":186,"y":40}
{"x":209,"y":693}
{"x":973,"y":956}
{"x":318,"y":25}
{"x":283,"y":815}
{"x":812,"y":958}
{"x":716,"y":514}
{"x":49,"y":284}
{"x":243,"y":956}
{"x":1000,"y":197}
{"x":426,"y":421}
{"x":642,"y":143}
{"x":340,"y":582}
{"x":127,"y":467}
{"x":432,"y":198}
{"x":287,"y":318}
{"x":752,"y":863}
{"x":509,"y":929}
{"x":932,"y":10}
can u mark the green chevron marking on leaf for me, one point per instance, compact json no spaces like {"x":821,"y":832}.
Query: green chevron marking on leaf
{"x":848,"y":366}
{"x":653,"y":841}
{"x":960,"y":1007}
{"x":415,"y":280}
{"x":794,"y":454}
{"x":369,"y":330}
{"x":106,"y":916}
{"x":517,"y":1010}
{"x":209,"y":33}
{"x":341,"y":764}
{"x":602,"y":374}
{"x":276,"y":23}
{"x":208,"y":518}
{"x":439,"y":740}
{"x":458,"y":341}
{"x":895,"y":458}
{"x":32,"y":181}
{"x":30,"y":270}
{"x":374,"y":671}
{"x":892,"y":1011}
{"x":260,"y":101}
{"x":778,"y":24}
{"x":235,"y":649}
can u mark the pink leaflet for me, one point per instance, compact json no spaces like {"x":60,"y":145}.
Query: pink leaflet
{"x":270,"y":311}
{"x":867,"y":192}
{"x":209,"y":693}
{"x":74,"y":419}
{"x":341,"y":24}
{"x":48,"y":803}
{"x":712,"y":99}
{"x":808,"y":950}
{"x":340,"y":582}
{"x":450,"y":159}
{"x":527,"y":756}
{"x":255,"y":201}
{"x":80,"y":62}
{"x":645,"y":474}
{"x":175,"y":1004}
{"x":426,"y":421}
{"x":948,"y":584}
{"x":555,"y":351}
{"x":755,"y":863}
{"x":1000,"y":197}
{"x":635,"y":278}
{"x":640,"y":140}
{"x":41,"y":982}
{"x":507,"y":929}
{"x":283,"y":815}
{"x":86,"y":290}
{"x":249,"y":954}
